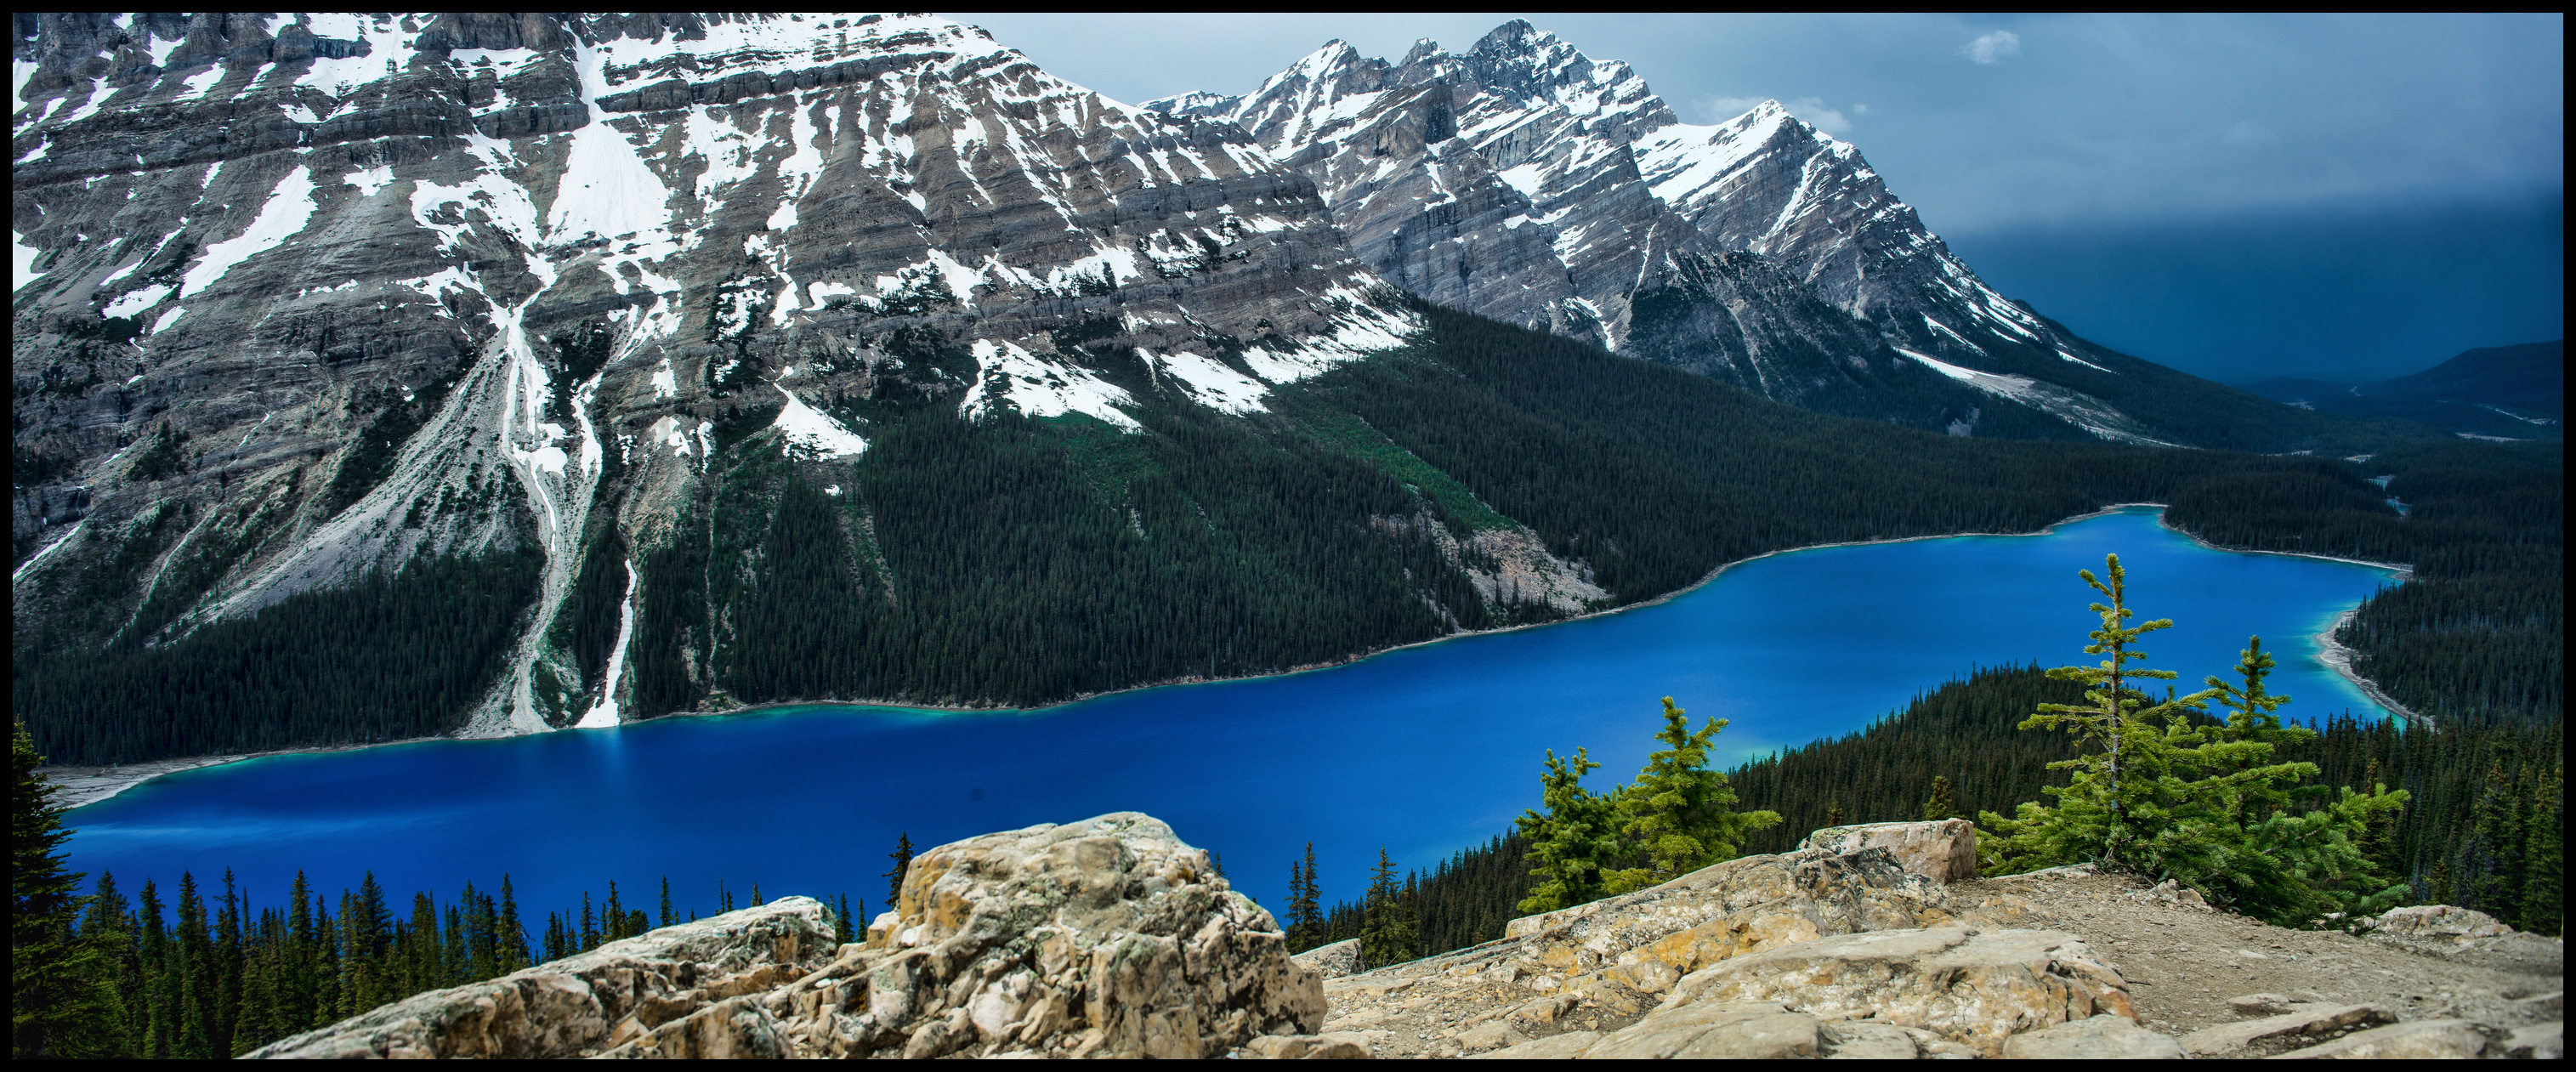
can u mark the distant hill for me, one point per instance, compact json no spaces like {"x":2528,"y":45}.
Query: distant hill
{"x":2511,"y":392}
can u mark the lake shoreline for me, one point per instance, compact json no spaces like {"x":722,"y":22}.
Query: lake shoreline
{"x":82,"y":786}
{"x":89,"y":785}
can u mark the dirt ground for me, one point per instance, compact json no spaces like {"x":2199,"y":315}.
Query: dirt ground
{"x":2183,"y":962}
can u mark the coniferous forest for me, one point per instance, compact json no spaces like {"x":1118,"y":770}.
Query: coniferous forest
{"x":2484,"y":828}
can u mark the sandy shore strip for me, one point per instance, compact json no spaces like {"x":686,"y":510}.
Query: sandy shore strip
{"x":2339,"y":659}
{"x":77,"y":786}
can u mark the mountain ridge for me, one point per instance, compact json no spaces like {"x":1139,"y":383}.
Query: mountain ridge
{"x":2495,"y":392}
{"x":1521,"y":179}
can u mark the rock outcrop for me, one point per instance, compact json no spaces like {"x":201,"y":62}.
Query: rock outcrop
{"x":583,"y":1004}
{"x":1103,"y":938}
{"x":1111,"y":937}
{"x":1944,"y":851}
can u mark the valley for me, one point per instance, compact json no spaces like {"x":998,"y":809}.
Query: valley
{"x":552,"y":453}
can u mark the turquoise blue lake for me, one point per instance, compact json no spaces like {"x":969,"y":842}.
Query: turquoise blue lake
{"x":1425,"y":750}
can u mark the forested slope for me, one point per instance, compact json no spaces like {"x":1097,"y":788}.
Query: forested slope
{"x":1017,"y":561}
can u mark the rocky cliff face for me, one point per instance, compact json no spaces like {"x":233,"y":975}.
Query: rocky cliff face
{"x":298,"y":297}
{"x":1528,"y":182}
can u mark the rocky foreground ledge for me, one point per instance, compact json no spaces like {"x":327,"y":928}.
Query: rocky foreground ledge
{"x":1111,"y":938}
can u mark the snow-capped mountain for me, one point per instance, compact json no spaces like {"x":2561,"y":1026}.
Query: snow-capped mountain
{"x":1525,"y":181}
{"x":332,"y":291}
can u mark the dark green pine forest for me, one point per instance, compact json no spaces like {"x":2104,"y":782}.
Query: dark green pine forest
{"x":1020,"y":562}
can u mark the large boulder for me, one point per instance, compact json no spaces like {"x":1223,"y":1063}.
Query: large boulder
{"x":1974,"y":988}
{"x":2436,"y":923}
{"x":1944,"y":851}
{"x":1103,"y":938}
{"x":582,"y":1004}
{"x":1653,"y":937}
{"x":1332,"y":961}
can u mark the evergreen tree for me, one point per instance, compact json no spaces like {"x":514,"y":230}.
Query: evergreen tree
{"x":668,"y":919}
{"x":2093,"y":819}
{"x":1680,"y":815}
{"x":2544,"y":855}
{"x":902,"y":857}
{"x":1305,"y":910}
{"x":109,"y":923}
{"x":1833,"y":813}
{"x":2164,"y":791}
{"x":1389,"y":933}
{"x":62,"y":1001}
{"x":1574,"y":841}
{"x":514,"y":937}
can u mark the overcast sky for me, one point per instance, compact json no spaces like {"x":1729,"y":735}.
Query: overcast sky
{"x":2231,"y":195}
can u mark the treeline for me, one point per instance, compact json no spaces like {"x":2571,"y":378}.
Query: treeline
{"x":1467,"y":899}
{"x":209,"y":976}
{"x":386,"y":658}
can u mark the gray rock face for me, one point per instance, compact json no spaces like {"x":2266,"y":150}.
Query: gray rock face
{"x":1944,"y":851}
{"x":1530,"y":183}
{"x":1332,"y":961}
{"x":584,"y":240}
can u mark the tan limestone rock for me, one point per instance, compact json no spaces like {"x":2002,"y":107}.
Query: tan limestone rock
{"x":2538,"y":1042}
{"x":1944,"y":851}
{"x":1571,"y":1044}
{"x":1971,"y":987}
{"x":2261,"y":1004}
{"x":1864,"y":1040}
{"x":2414,"y":1040}
{"x":1736,"y":1031}
{"x":1331,"y":1046}
{"x":2106,"y":1037}
{"x":2301,"y":1019}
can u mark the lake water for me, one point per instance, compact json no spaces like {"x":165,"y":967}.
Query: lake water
{"x":1425,"y":750}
